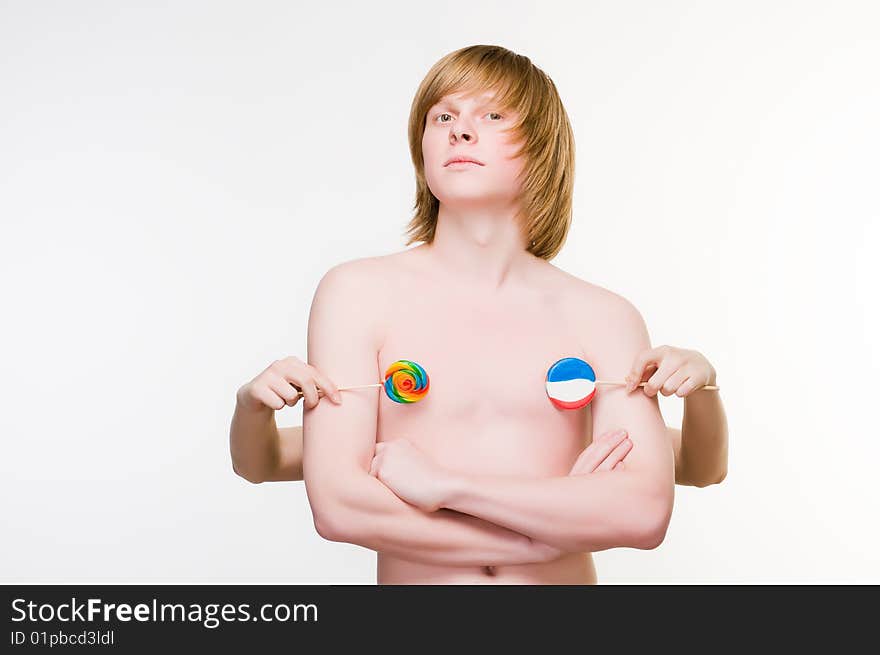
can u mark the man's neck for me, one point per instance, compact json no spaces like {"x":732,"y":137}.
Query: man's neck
{"x":483,"y":248}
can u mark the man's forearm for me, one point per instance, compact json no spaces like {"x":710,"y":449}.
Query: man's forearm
{"x":372,"y":516}
{"x":592,"y":512}
{"x":704,"y":438}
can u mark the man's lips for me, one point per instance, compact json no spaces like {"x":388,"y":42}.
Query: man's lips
{"x":455,"y":162}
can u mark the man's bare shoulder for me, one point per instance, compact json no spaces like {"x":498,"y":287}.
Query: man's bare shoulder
{"x":362,"y":277}
{"x":371,"y":268}
{"x":593,"y":300}
{"x":605,"y":321}
{"x":352,"y":292}
{"x":353,"y":270}
{"x":366,"y":287}
{"x":609,"y":327}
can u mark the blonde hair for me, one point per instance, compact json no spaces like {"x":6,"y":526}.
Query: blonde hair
{"x":543,"y":130}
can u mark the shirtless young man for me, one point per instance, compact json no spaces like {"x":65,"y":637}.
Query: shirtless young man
{"x":477,"y":473}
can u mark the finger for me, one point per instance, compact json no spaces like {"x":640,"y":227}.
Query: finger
{"x":301,"y":377}
{"x":276,"y":386}
{"x":374,"y":466}
{"x":292,"y":362}
{"x":596,"y":452}
{"x":270,"y":398}
{"x":616,"y":455}
{"x":282,"y":389}
{"x":646,"y":375}
{"x":327,"y":386}
{"x":667,"y":368}
{"x":688,"y":385}
{"x":673,"y":382}
{"x":645,"y":357}
{"x":309,"y":392}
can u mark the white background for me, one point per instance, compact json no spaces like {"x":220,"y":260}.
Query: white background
{"x":174,"y":181}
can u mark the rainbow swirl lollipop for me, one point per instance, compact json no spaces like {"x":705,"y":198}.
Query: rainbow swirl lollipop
{"x":406,"y":382}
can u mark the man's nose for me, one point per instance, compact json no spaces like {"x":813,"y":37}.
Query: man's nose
{"x":459,"y":131}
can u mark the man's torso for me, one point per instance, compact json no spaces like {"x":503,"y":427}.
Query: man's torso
{"x":487,"y":411}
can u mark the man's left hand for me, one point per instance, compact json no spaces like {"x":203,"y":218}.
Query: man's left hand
{"x":411,"y":474}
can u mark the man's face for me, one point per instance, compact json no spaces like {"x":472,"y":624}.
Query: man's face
{"x":459,"y":126}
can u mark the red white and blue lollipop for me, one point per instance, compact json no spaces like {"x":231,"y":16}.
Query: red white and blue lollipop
{"x":571,"y":383}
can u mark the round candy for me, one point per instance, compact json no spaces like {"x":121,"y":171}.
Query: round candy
{"x":571,"y":383}
{"x":406,"y":382}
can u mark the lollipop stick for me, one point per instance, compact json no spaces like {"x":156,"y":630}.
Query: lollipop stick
{"x":642,"y":384}
{"x":359,"y":386}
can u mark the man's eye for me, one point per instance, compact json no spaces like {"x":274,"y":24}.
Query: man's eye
{"x":491,"y":113}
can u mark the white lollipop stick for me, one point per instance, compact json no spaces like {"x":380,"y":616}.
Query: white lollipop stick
{"x":642,"y":384}
{"x":358,"y":386}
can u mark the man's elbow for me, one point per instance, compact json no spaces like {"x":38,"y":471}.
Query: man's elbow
{"x":339,"y":511}
{"x":721,"y":476}
{"x":333,"y":522}
{"x":250,"y":477}
{"x":327,"y":527}
{"x":655,"y":523}
{"x":709,"y":481}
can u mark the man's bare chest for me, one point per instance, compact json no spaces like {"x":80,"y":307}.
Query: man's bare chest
{"x":487,"y":364}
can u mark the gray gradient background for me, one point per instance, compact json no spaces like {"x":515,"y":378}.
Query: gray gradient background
{"x":175,"y":178}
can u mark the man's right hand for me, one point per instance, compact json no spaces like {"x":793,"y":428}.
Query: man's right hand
{"x":605,"y":453}
{"x":278,"y":386}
